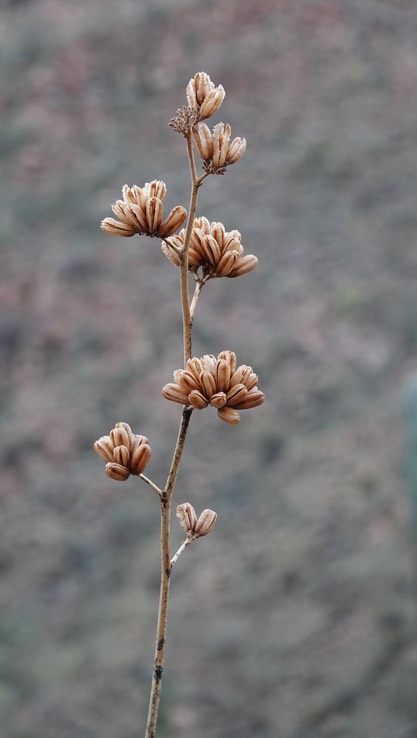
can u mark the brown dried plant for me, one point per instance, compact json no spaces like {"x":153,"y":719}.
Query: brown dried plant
{"x":208,"y":251}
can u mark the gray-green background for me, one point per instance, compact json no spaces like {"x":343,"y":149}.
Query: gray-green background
{"x":294,"y":618}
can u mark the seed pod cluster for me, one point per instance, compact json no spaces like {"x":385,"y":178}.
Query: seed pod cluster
{"x":193,"y":526}
{"x":217,"y":252}
{"x":141,"y":211}
{"x":204,"y":98}
{"x":124,"y":452}
{"x":216,"y":382}
{"x":215,"y":147}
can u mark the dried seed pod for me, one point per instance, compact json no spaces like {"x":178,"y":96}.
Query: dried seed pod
{"x":120,"y":436}
{"x":104,"y":447}
{"x":223,"y":375}
{"x":174,"y":221}
{"x":115,"y":228}
{"x":208,"y":383}
{"x":140,"y":458}
{"x":236,"y":394}
{"x":218,"y":400}
{"x":230,"y":357}
{"x":244,"y":265}
{"x":129,"y":432}
{"x":205,"y":523}
{"x":252,"y":399}
{"x":227,"y":264}
{"x":204,"y":141}
{"x":187,"y":516}
{"x":197,"y":400}
{"x":212,"y":103}
{"x":121,"y":455}
{"x":210,"y":249}
{"x":157,"y":188}
{"x":187,"y":382}
{"x":236,"y":150}
{"x":221,"y":137}
{"x":117,"y":471}
{"x":229,"y":415}
{"x":172,"y":392}
{"x":153,"y":214}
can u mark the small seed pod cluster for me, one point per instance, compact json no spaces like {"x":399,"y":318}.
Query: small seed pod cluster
{"x":141,"y":212}
{"x":216,"y":382}
{"x":124,"y":452}
{"x":204,"y":98}
{"x":215,"y":148}
{"x":193,"y":526}
{"x":213,"y":250}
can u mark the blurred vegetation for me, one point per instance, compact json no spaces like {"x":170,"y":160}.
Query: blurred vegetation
{"x":296,"y":616}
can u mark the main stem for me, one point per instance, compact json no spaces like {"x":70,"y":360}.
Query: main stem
{"x":166,"y":495}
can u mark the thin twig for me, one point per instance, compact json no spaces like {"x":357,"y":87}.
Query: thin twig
{"x":151,"y":484}
{"x":194,"y":301}
{"x":183,"y":546}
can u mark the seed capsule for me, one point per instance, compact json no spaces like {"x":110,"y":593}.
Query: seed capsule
{"x":117,"y":472}
{"x":205,"y":523}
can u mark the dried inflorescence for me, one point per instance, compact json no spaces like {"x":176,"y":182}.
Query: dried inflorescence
{"x":204,"y":98}
{"x":125,"y":452}
{"x":216,"y":382}
{"x":217,"y":252}
{"x":193,"y":526}
{"x":140,"y":212}
{"x":215,"y":148}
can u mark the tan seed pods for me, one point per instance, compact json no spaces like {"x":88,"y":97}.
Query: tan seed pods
{"x":204,"y":99}
{"x":125,"y":452}
{"x":140,"y":212}
{"x":193,"y":526}
{"x":216,"y":382}
{"x":213,"y":252}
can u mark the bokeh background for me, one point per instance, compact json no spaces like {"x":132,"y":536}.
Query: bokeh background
{"x":295,"y":617}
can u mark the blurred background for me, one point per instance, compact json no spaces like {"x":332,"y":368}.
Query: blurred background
{"x":295,"y":617}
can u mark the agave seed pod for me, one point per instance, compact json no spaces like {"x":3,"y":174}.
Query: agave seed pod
{"x":117,"y":472}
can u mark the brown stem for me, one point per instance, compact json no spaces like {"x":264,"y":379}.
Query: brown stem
{"x":166,"y":495}
{"x":185,"y":296}
{"x":166,"y":504}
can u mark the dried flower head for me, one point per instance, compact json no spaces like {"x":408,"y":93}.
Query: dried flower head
{"x":204,"y":99}
{"x":124,"y":452}
{"x":193,"y":526}
{"x":215,"y":147}
{"x":216,"y":382}
{"x":140,"y":212}
{"x":213,"y":250}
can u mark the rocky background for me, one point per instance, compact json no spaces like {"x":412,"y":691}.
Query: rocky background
{"x":296,"y":617}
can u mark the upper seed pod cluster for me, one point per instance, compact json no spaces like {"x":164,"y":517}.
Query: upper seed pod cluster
{"x":140,"y":212}
{"x":216,"y":382}
{"x":204,"y":98}
{"x":124,"y":452}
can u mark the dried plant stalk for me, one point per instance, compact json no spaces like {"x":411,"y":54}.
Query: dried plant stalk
{"x":207,"y":251}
